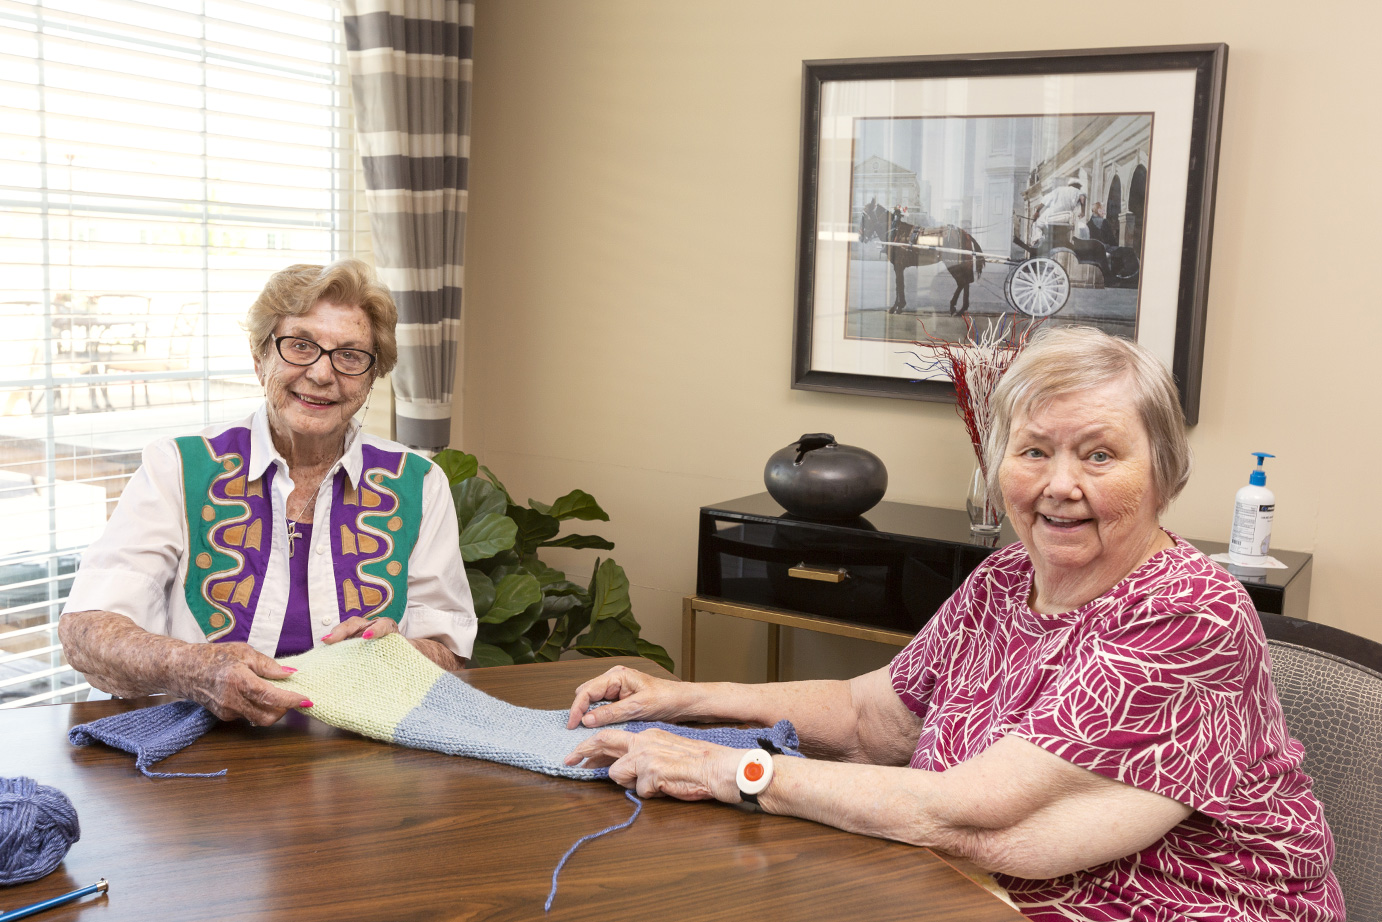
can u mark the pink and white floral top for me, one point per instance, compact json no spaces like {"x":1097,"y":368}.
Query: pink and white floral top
{"x":1162,"y":683}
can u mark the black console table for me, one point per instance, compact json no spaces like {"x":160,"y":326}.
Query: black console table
{"x":879,"y":577}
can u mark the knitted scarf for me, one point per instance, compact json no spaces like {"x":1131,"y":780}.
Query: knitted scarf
{"x":386,"y":690}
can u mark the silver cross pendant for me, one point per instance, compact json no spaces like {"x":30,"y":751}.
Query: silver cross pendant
{"x":293,"y":535}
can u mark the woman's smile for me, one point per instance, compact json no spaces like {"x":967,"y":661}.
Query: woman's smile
{"x":314,"y":402}
{"x":1063,"y":524}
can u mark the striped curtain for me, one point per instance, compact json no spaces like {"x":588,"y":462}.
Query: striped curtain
{"x":410,"y":65}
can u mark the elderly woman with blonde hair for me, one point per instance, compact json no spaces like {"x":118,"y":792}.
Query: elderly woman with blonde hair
{"x":1090,"y":717}
{"x":279,"y":533}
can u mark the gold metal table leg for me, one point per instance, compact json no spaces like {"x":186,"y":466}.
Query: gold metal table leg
{"x":774,"y":638}
{"x":688,"y":640}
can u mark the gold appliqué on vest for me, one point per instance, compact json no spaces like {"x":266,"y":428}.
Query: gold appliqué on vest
{"x":373,"y":543}
{"x":237,"y":532}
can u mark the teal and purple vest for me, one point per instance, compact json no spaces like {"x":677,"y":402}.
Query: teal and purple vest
{"x":230,"y":532}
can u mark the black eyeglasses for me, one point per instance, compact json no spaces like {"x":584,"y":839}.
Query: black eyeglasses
{"x":298,"y":351}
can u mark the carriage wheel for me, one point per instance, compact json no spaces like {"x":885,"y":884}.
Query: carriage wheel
{"x":1037,"y":287}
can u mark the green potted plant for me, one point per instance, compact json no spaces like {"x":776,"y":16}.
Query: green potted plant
{"x":530,"y":612}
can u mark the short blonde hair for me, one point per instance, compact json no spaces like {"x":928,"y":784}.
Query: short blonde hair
{"x":1066,"y":360}
{"x":295,"y":290}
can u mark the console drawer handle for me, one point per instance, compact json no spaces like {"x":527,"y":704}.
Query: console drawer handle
{"x":824,"y":574}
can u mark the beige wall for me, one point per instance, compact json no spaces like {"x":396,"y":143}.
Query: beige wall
{"x":631,"y":259}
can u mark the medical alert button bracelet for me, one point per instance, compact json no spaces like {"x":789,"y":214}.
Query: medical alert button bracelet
{"x":753,"y":777}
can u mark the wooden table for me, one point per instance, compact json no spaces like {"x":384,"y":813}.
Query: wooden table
{"x":313,"y":823}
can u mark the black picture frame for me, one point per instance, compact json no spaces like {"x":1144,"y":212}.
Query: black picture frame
{"x":1207,"y":63}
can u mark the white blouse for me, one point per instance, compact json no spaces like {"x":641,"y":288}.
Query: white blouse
{"x":138,"y":566}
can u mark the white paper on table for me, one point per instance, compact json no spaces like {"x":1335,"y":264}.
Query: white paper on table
{"x":1270,"y":564}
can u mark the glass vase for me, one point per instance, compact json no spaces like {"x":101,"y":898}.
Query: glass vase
{"x":985,"y":516}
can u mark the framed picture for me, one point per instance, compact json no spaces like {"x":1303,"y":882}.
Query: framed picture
{"x":944,"y":194}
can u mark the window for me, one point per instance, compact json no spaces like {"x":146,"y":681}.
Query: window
{"x":158,"y":158}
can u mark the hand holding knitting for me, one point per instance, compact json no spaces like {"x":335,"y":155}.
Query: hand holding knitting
{"x":228,"y":680}
{"x":656,"y":763}
{"x":373,"y":629}
{"x":636,"y":696}
{"x":356,"y":626}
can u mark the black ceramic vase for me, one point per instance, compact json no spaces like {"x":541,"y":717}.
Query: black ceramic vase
{"x":817,"y":478}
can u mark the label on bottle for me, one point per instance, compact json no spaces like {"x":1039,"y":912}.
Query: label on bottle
{"x":1252,"y":529}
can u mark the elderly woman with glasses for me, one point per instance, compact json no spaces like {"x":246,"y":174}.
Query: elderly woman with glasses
{"x":279,"y":533}
{"x":1091,"y":716}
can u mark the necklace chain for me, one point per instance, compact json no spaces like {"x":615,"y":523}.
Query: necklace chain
{"x":294,"y":521}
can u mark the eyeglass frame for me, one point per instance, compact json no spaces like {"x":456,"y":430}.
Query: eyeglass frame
{"x":323,"y":351}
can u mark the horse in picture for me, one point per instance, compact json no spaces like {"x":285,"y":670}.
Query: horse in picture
{"x":909,"y":245}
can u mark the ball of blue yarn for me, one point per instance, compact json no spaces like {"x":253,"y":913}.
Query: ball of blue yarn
{"x":38,"y":824}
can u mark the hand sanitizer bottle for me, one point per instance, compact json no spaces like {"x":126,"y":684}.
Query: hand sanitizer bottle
{"x":1253,"y":510}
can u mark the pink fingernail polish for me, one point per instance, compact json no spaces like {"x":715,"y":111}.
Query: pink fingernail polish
{"x":326,"y":637}
{"x":305,"y":704}
{"x":289,"y":669}
{"x":368,"y":634}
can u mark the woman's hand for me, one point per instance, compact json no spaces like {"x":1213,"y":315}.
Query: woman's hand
{"x":356,"y":626}
{"x":228,"y":679}
{"x":656,"y":763}
{"x":636,"y":696}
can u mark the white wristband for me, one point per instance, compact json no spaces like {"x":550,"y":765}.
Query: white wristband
{"x":753,"y":776}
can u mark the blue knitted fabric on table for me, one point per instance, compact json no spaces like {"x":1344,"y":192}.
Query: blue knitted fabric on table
{"x":460,"y":720}
{"x":453,"y":718}
{"x":150,"y":734}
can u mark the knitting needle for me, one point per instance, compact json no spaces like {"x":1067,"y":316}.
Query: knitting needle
{"x":24,"y":911}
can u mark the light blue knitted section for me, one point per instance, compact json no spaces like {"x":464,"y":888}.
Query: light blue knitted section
{"x":459,"y":720}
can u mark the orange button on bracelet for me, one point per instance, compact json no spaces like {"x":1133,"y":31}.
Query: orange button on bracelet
{"x":753,"y":777}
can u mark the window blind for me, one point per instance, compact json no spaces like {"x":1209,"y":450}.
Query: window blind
{"x":158,"y":159}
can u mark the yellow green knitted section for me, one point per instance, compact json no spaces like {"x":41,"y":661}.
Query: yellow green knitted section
{"x":366,"y":686}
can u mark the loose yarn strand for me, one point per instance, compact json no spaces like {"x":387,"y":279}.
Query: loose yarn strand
{"x":38,"y":824}
{"x":637,"y":809}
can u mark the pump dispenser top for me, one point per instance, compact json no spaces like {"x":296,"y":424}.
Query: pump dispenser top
{"x":1258,"y":477}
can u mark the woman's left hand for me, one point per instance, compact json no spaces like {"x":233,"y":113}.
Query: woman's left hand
{"x":656,"y":763}
{"x":378,"y":627}
{"x":361,"y":627}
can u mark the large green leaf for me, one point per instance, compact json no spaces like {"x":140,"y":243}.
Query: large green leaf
{"x":649,"y":650}
{"x":565,"y":587}
{"x":577,"y":504}
{"x":520,"y":650}
{"x":500,"y":564}
{"x":513,"y":595}
{"x":608,"y":638}
{"x":546,"y":576}
{"x":474,"y":498}
{"x":487,"y":654}
{"x":539,"y":632}
{"x":577,"y":620}
{"x":533,"y":528}
{"x":505,"y":564}
{"x":553,"y":605}
{"x":609,"y":594}
{"x":497,"y":482}
{"x":566,"y":628}
{"x":481,"y":591}
{"x":457,"y":465}
{"x":580,"y":541}
{"x":512,"y":630}
{"x":486,"y":536}
{"x":555,"y":643}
